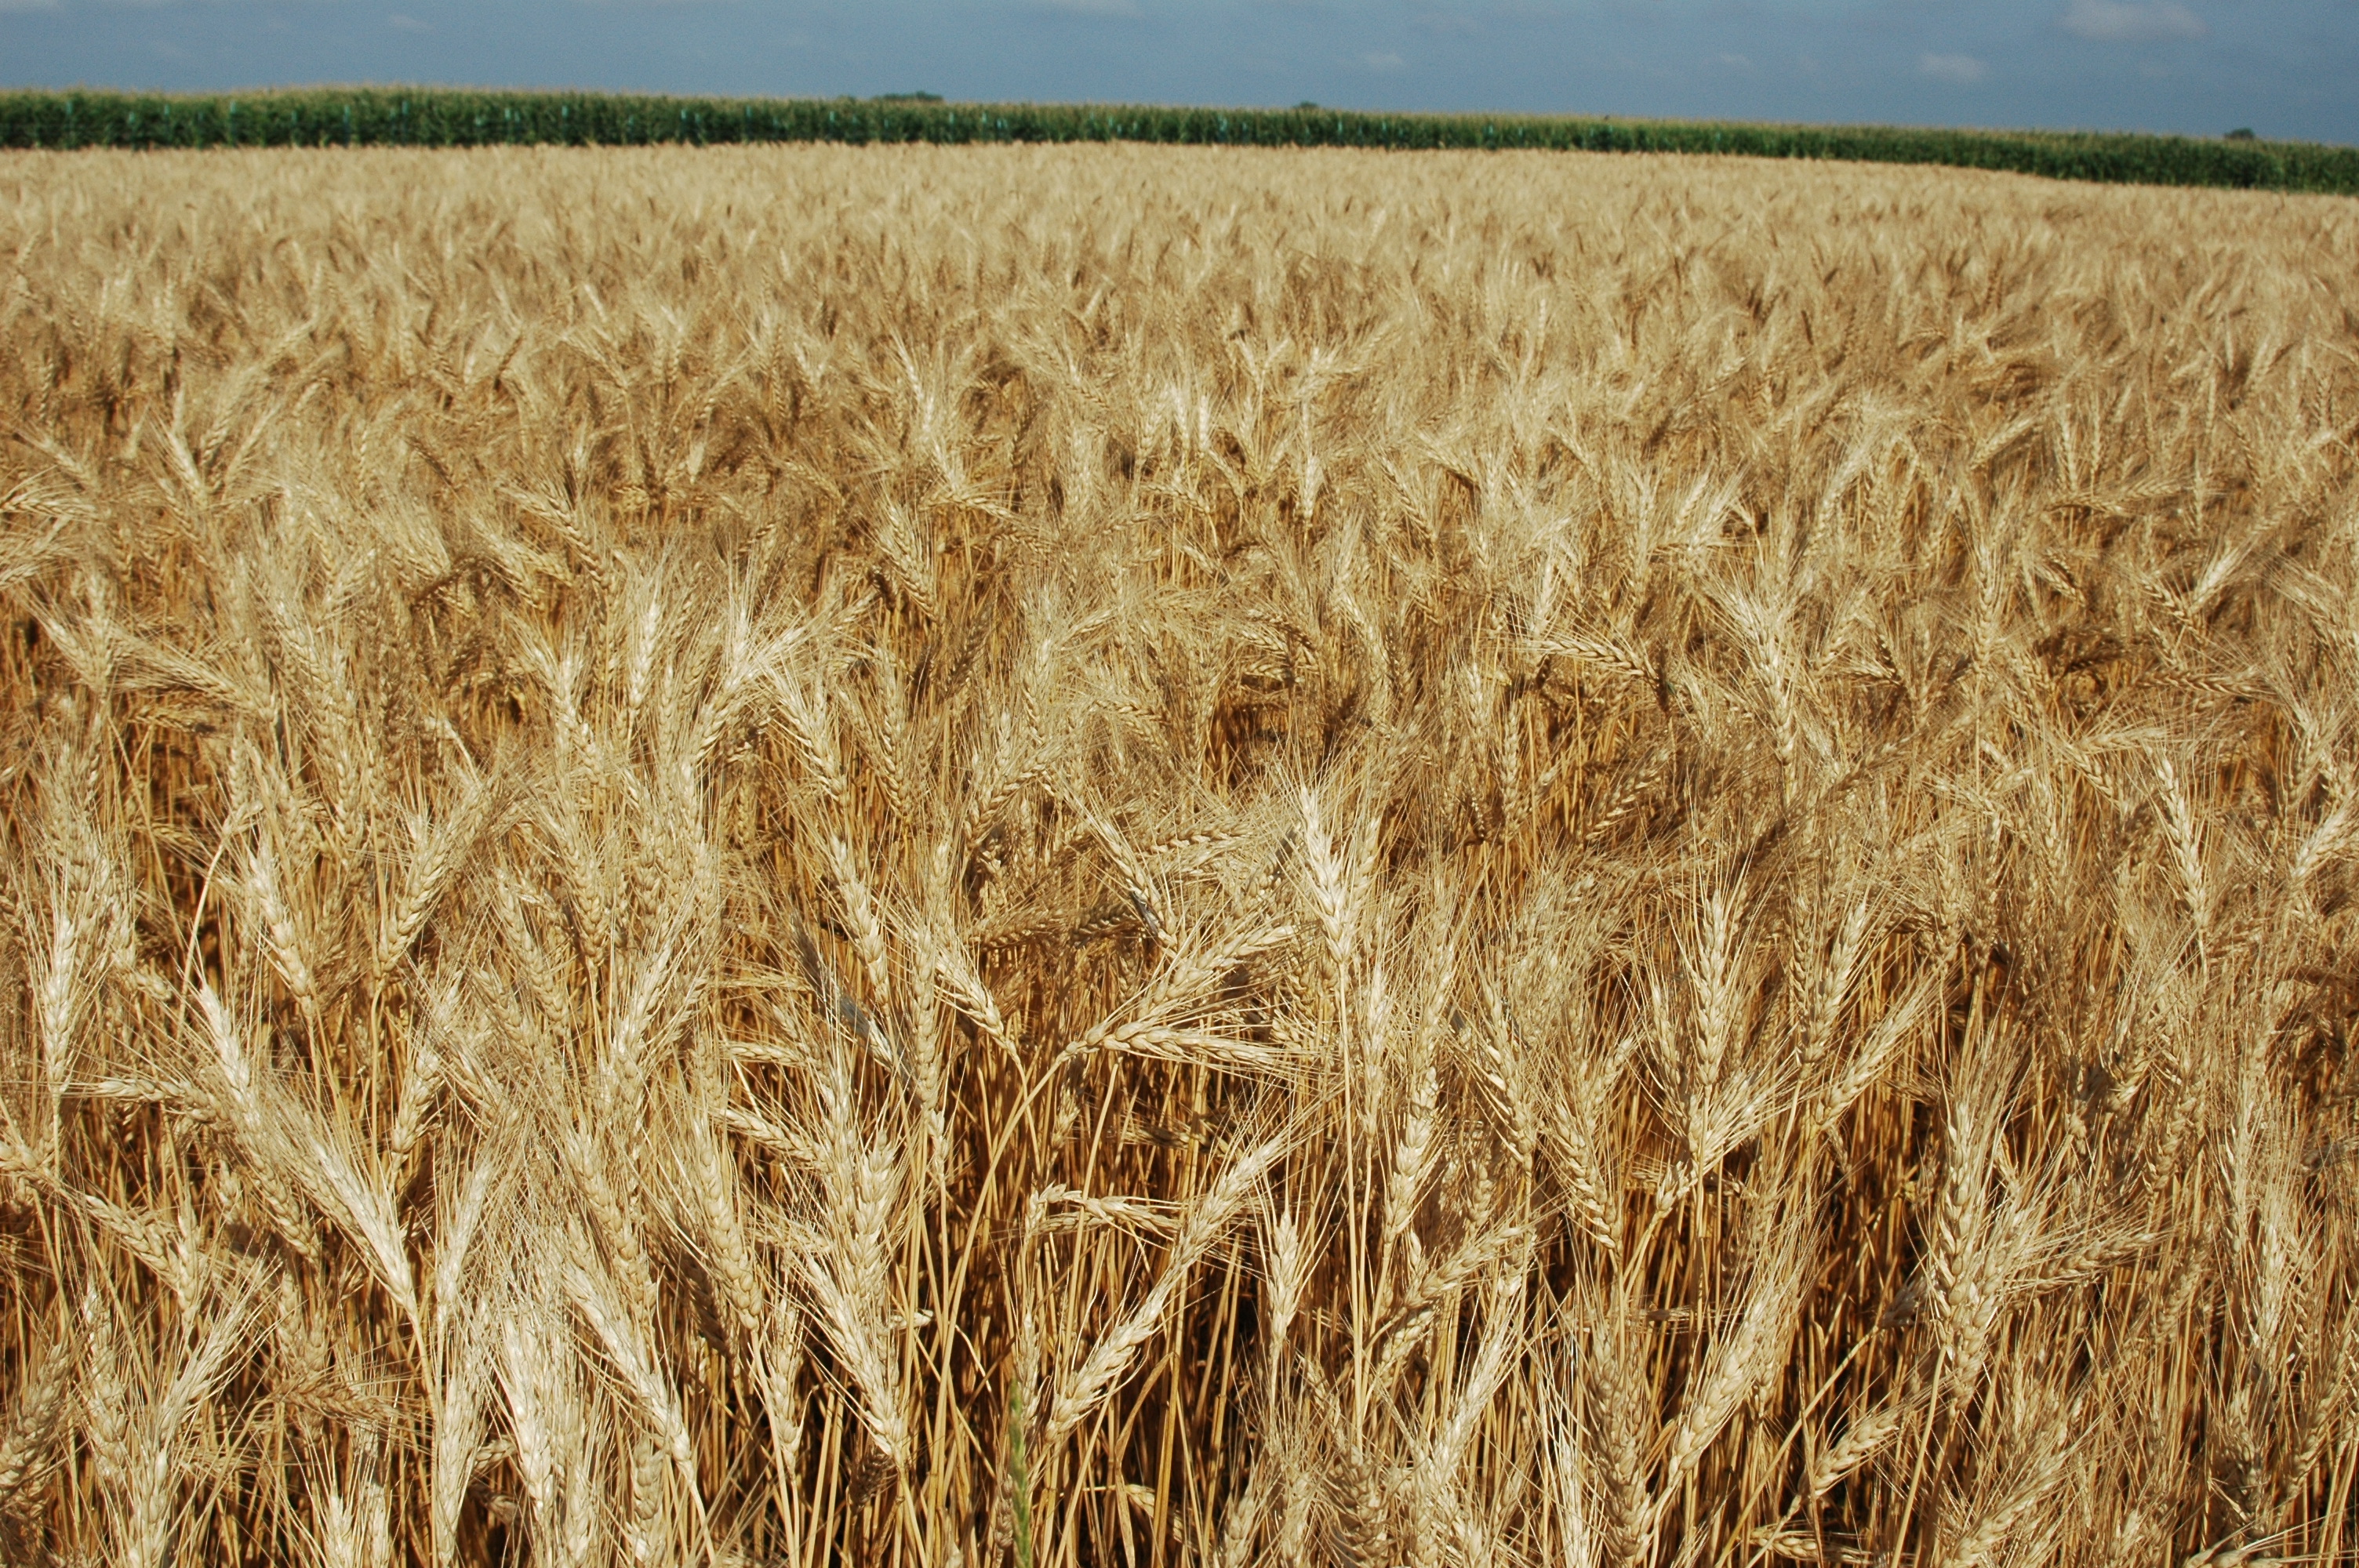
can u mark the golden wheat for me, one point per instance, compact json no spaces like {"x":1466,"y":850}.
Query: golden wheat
{"x":1134,"y":856}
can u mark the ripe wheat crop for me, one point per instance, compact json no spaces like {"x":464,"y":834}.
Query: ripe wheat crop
{"x":1131,"y":856}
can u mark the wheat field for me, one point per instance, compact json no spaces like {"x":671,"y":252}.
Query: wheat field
{"x":1145,"y":856}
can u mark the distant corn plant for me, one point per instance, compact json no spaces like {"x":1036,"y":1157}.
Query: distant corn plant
{"x":1089,"y":856}
{"x":441,"y":117}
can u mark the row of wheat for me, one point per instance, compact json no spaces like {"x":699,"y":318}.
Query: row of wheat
{"x":1141,"y":856}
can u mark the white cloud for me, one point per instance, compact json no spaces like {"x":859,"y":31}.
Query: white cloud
{"x":1382,"y":61}
{"x":2131,"y":21}
{"x":1738,"y":62}
{"x":19,"y":7}
{"x":402,"y":22}
{"x":1961,"y":70}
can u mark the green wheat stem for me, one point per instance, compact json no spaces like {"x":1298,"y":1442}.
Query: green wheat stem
{"x":1019,"y":1478}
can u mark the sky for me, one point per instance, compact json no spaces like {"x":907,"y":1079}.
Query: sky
{"x":2282,"y":68}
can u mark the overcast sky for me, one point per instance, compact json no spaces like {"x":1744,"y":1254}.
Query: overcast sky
{"x":2285,"y":68}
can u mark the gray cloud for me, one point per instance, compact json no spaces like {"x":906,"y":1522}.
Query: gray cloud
{"x":2131,"y":21}
{"x":1446,"y":23}
{"x":1958,"y":70}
